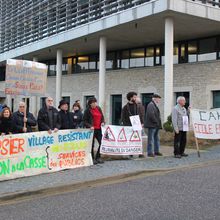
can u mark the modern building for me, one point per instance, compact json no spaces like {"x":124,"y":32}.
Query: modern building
{"x":106,"y":48}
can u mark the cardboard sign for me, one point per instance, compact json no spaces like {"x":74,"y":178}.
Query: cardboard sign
{"x":25,"y":78}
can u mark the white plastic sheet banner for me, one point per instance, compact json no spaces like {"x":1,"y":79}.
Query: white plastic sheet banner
{"x":39,"y":152}
{"x":206,"y":123}
{"x":120,"y":140}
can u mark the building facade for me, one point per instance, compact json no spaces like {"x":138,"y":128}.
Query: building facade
{"x":108,"y":48}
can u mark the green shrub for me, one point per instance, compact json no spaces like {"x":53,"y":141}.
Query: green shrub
{"x":167,"y":126}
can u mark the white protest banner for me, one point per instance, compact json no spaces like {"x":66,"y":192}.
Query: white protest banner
{"x":39,"y":152}
{"x":25,"y":78}
{"x":206,"y":123}
{"x":119,"y":140}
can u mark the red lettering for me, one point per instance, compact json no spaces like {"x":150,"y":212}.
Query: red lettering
{"x":203,"y":128}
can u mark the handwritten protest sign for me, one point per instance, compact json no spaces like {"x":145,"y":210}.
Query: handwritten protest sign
{"x":35,"y":153}
{"x":206,"y":123}
{"x":25,"y":78}
{"x":119,"y":140}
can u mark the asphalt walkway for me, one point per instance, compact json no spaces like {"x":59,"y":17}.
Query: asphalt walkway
{"x":111,"y":168}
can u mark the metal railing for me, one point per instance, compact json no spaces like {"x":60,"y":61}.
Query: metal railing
{"x":26,"y":21}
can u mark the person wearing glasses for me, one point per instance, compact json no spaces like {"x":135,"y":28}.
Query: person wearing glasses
{"x":23,"y":122}
{"x":48,"y":117}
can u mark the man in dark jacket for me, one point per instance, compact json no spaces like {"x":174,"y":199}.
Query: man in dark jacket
{"x":153,"y":123}
{"x":66,"y":117}
{"x":23,"y":123}
{"x":130,"y":109}
{"x":48,"y":117}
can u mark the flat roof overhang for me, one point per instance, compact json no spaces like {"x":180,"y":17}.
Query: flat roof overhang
{"x":142,"y":25}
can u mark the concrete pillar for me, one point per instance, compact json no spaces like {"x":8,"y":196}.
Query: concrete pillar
{"x":33,"y":106}
{"x":59,"y":76}
{"x":168,"y":76}
{"x":102,"y":71}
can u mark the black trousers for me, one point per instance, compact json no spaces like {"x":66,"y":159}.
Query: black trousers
{"x":98,"y":137}
{"x":179,"y":143}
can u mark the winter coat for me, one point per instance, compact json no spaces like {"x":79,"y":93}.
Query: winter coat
{"x":7,"y":125}
{"x":77,"y":119}
{"x":43,"y":119}
{"x":66,"y":120}
{"x":88,"y":119}
{"x":152,"y":116}
{"x":126,"y":113}
{"x":18,"y":118}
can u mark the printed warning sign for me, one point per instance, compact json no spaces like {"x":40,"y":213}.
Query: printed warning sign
{"x":108,"y":134}
{"x":135,"y":136}
{"x":122,"y":136}
{"x":128,"y":142}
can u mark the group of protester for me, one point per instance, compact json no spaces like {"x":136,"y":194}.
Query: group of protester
{"x":51,"y":120}
{"x":151,"y":122}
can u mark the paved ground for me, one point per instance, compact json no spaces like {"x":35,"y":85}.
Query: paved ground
{"x":191,"y":194}
{"x":108,"y":169}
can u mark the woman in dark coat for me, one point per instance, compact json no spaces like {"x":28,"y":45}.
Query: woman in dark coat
{"x":77,"y":116}
{"x":93,"y":118}
{"x":7,"y":125}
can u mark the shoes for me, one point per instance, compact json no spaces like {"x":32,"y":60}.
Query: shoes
{"x":141,"y":156}
{"x":99,"y":160}
{"x":95,"y":162}
{"x":158,"y":154}
{"x":184,"y":155}
{"x":177,"y":156}
{"x":150,"y":155}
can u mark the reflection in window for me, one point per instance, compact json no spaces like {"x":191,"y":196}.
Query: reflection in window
{"x":175,"y":54}
{"x":157,"y":56}
{"x":192,"y":51}
{"x":110,"y":61}
{"x":83,"y":64}
{"x":182,"y":53}
{"x":149,"y":60}
{"x":52,"y":68}
{"x":137,"y":58}
{"x":125,"y":59}
{"x":92,"y":62}
{"x":207,"y":49}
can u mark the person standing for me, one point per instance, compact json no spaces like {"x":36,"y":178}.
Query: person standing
{"x":7,"y":125}
{"x":48,"y":117}
{"x":66,"y":117}
{"x":180,"y":122}
{"x":153,"y":123}
{"x":23,"y":123}
{"x":93,"y":118}
{"x":131,"y":109}
{"x":77,"y":116}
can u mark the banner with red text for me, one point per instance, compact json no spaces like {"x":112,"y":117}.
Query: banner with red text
{"x":119,"y":140}
{"x":39,"y":152}
{"x":206,"y":123}
{"x":25,"y":78}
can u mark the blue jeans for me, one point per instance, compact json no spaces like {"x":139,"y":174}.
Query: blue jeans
{"x":153,"y":140}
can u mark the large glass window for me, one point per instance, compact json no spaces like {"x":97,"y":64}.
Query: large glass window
{"x":137,"y":57}
{"x":149,"y":60}
{"x":192,"y":51}
{"x":157,"y":58}
{"x":207,"y":49}
{"x":83,"y":64}
{"x":125,"y":59}
{"x":216,"y":99}
{"x":111,"y":61}
{"x":52,"y":68}
{"x":183,"y":58}
{"x":92,"y":62}
{"x":175,"y":54}
{"x":2,"y":73}
{"x":116,"y":109}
